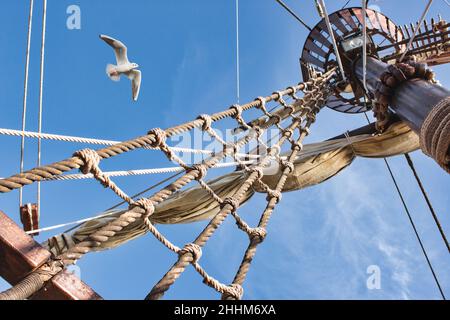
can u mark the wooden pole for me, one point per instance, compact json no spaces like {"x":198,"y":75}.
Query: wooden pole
{"x":423,"y":105}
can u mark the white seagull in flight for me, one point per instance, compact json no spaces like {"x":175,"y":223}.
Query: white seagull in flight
{"x":124,"y":66}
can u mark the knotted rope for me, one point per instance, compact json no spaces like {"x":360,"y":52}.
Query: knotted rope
{"x":88,"y":161}
{"x":435,"y":134}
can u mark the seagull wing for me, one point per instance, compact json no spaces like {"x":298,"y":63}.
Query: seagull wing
{"x":135,"y":76}
{"x":119,"y":48}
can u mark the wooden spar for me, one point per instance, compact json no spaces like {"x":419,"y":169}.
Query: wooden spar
{"x":20,"y":255}
{"x":413,"y":100}
{"x":422,"y":105}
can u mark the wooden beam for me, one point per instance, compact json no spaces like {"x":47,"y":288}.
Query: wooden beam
{"x":66,"y":286}
{"x":20,"y":255}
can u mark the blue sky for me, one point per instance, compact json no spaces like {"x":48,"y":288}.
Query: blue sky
{"x":321,"y":240}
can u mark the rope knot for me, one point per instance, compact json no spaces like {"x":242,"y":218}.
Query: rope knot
{"x":207,"y":121}
{"x":288,"y":165}
{"x":297,"y":146}
{"x":293,"y":89}
{"x":287,"y":132}
{"x":202,"y":170}
{"x":262,"y":103}
{"x":160,"y":137}
{"x":274,"y":150}
{"x":194,"y":249}
{"x":291,"y":109}
{"x":257,"y":234}
{"x":238,"y":111}
{"x":233,"y":291}
{"x":229,"y":148}
{"x":234,"y":203}
{"x":274,"y":194}
{"x":304,"y":130}
{"x":90,"y":158}
{"x":258,"y":131}
{"x":277,"y":118}
{"x":145,"y":204}
{"x":278,"y":94}
{"x":259,"y":171}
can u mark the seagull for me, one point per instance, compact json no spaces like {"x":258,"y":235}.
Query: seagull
{"x":124,"y":66}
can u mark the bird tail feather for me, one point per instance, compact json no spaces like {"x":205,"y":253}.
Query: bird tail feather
{"x":110,"y":70}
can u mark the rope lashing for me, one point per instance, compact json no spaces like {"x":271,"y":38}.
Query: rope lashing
{"x":91,"y":161}
{"x":257,"y":234}
{"x":435,"y":134}
{"x":160,"y":136}
{"x":207,"y":121}
{"x":201,"y":169}
{"x":274,"y":194}
{"x":194,"y":249}
{"x":305,"y":131}
{"x":297,"y":146}
{"x":288,"y":165}
{"x":237,"y":111}
{"x":279,"y":96}
{"x":90,"y":158}
{"x":233,"y":202}
{"x":259,"y":172}
{"x":145,"y":204}
{"x":234,"y":291}
{"x":390,"y":80}
{"x":261,"y":103}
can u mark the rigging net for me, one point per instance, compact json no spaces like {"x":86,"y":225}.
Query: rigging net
{"x":302,"y":113}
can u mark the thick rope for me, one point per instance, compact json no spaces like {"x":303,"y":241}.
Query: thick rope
{"x":435,"y":134}
{"x":88,"y":162}
{"x":109,"y":230}
{"x":229,"y":205}
{"x":392,"y":79}
{"x":257,"y":238}
{"x":57,"y":168}
{"x":57,"y":137}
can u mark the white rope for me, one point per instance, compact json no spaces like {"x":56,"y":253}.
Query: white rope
{"x":139,"y":172}
{"x":41,"y":92}
{"x":419,"y":24}
{"x":57,"y":137}
{"x":117,"y":173}
{"x":25,"y":95}
{"x":58,"y":226}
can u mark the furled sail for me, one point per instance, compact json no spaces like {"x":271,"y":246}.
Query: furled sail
{"x":316,"y":163}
